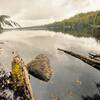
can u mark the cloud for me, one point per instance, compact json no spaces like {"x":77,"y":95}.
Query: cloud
{"x":46,"y":9}
{"x":43,"y":9}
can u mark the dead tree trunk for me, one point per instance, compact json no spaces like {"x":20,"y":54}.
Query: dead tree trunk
{"x":94,"y":63}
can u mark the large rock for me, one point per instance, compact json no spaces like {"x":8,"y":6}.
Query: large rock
{"x":40,"y":67}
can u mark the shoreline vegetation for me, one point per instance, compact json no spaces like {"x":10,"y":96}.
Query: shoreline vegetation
{"x":82,"y":24}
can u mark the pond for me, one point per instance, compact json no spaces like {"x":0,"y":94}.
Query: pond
{"x":71,"y":78}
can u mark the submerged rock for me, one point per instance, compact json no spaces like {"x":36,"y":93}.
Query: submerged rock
{"x":40,"y":67}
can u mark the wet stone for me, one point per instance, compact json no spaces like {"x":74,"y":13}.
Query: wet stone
{"x":40,"y":67}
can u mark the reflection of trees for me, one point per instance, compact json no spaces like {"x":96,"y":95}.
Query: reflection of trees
{"x":96,"y":25}
{"x":84,"y":24}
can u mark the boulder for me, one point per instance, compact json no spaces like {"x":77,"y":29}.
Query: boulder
{"x":40,"y":67}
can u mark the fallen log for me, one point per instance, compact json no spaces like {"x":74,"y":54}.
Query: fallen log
{"x":94,"y":63}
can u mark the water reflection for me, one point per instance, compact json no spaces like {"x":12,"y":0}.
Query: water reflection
{"x":72,"y":78}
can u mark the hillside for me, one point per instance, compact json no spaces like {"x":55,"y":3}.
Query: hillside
{"x":80,"y":24}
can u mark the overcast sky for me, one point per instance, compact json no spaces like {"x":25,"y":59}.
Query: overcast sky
{"x":36,"y":12}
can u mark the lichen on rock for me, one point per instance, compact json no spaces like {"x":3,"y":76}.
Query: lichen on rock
{"x":40,"y":67}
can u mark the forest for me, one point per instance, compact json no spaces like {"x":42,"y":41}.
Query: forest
{"x":82,"y":24}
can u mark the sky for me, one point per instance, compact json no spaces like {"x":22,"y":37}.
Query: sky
{"x":37,"y":12}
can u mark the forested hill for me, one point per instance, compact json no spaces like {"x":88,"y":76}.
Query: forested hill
{"x":87,"y":23}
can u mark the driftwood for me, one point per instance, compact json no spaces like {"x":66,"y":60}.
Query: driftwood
{"x":93,"y":62}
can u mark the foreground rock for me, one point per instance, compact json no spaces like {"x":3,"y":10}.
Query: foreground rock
{"x":40,"y":67}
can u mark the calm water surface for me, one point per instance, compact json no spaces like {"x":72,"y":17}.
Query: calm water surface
{"x":71,"y":79}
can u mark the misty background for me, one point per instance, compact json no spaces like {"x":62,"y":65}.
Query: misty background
{"x":37,"y":12}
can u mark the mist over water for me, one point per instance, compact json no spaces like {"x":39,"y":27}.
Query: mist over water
{"x":67,"y":69}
